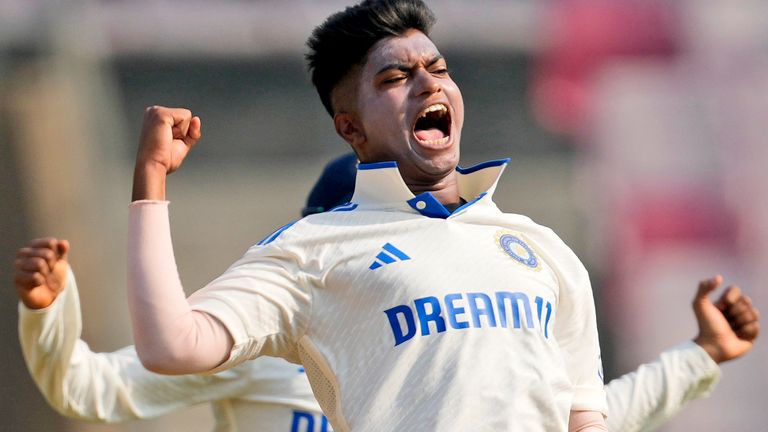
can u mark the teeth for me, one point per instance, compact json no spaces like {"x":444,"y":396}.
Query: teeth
{"x":436,"y":142}
{"x":433,"y":108}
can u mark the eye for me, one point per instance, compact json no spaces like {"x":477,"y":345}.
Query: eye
{"x":394,"y":79}
{"x":440,"y":71}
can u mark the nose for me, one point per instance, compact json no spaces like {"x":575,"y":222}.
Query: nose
{"x":426,"y":83}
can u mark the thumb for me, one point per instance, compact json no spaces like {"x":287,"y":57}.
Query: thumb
{"x":195,"y":128}
{"x":59,"y":270}
{"x":62,"y":248}
{"x":705,"y":288}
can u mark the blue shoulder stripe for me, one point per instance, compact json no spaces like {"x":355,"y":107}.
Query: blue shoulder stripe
{"x":344,"y":207}
{"x":272,"y":237}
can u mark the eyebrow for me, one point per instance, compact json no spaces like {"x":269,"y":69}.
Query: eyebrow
{"x":407,"y":67}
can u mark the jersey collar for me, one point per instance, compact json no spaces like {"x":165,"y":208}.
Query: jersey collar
{"x":380,"y":185}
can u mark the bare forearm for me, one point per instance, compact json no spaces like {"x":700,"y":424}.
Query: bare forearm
{"x":149,"y":181}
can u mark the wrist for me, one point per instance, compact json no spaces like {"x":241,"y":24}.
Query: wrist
{"x":149,"y":179}
{"x":710,"y":348}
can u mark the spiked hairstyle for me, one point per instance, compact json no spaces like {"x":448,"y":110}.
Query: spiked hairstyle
{"x":344,"y":39}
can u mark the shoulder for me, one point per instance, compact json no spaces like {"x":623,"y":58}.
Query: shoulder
{"x":567,"y":266}
{"x":311,"y":227}
{"x":542,"y":235}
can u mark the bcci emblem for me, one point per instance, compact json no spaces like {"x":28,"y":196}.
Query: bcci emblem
{"x":514,"y":246}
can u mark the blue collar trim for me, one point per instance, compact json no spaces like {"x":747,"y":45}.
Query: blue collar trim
{"x":379,"y":183}
{"x":426,"y":204}
{"x":460,"y":170}
{"x":486,"y":164}
{"x":376,"y":165}
{"x":479,"y":197}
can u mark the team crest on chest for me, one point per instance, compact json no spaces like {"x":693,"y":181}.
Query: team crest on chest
{"x":512,"y":244}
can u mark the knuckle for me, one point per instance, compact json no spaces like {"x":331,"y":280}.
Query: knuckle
{"x":38,"y":241}
{"x":38,"y":263}
{"x":154,"y":112}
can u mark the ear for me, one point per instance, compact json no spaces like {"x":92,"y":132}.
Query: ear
{"x":348,"y":127}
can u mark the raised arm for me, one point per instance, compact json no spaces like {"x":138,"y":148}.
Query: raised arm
{"x":170,"y":337}
{"x":646,"y":398}
{"x":78,"y":383}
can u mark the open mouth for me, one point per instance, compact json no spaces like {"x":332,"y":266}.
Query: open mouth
{"x":433,"y":127}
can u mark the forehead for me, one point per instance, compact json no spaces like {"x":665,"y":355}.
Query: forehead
{"x":410,"y":48}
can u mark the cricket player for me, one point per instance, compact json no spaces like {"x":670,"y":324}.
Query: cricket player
{"x":267,"y":394}
{"x":270,"y":394}
{"x":418,"y":306}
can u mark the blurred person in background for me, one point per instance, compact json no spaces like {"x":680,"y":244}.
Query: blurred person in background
{"x":268,"y":394}
{"x":273,"y":395}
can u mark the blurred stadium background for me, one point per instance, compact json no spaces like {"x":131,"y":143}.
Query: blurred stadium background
{"x":637,"y":131}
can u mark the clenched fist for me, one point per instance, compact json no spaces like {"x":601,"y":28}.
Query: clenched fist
{"x":167,"y":135}
{"x":728,"y":327}
{"x":40,"y":271}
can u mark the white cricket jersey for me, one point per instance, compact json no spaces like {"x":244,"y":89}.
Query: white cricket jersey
{"x":265,"y":395}
{"x":408,"y":317}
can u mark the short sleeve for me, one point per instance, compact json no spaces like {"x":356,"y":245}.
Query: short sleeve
{"x":264,"y":302}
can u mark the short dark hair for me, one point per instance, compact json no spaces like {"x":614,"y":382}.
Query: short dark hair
{"x":344,"y":39}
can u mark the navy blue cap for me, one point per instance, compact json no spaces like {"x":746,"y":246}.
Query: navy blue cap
{"x":334,"y":187}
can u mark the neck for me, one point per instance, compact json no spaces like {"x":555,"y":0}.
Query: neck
{"x":445,"y":190}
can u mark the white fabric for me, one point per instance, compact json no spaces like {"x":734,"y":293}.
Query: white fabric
{"x":644,"y":399}
{"x":267,"y":394}
{"x":311,"y":293}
